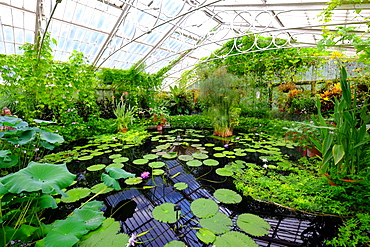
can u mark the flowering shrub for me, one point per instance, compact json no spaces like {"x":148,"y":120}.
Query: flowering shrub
{"x":327,"y":97}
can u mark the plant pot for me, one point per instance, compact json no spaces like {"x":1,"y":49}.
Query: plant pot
{"x":160,"y":127}
{"x":123,"y":130}
{"x":312,"y":152}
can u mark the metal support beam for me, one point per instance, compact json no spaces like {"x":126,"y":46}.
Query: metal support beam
{"x":38,"y":21}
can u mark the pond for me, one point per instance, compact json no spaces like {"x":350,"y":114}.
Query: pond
{"x":183,"y":166}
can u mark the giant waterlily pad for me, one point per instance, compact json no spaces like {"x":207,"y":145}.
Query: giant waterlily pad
{"x":157,"y":164}
{"x":76,"y":194}
{"x":132,"y":181}
{"x":227,"y":196}
{"x":140,"y":161}
{"x":253,"y":224}
{"x":194,"y":163}
{"x":218,"y":223}
{"x":165,"y":213}
{"x":206,"y":235}
{"x":234,"y":239}
{"x":95,"y":167}
{"x":48,"y":178}
{"x":200,"y":156}
{"x":185,"y":157}
{"x":211,"y":162}
{"x":204,"y":208}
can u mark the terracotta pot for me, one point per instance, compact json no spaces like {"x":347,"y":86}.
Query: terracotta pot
{"x":124,"y":130}
{"x":313,"y":152}
{"x":160,"y":127}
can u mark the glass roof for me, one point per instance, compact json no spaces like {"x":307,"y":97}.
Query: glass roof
{"x":120,"y":33}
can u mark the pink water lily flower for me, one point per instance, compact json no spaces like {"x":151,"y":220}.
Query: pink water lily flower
{"x":145,"y":175}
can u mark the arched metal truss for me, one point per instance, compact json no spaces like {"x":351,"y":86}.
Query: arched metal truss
{"x":121,"y":33}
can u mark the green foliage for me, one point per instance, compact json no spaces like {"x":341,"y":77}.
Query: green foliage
{"x":190,"y":121}
{"x":125,"y":115}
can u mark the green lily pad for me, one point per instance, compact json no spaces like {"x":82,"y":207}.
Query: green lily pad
{"x":194,"y":163}
{"x":226,"y":172}
{"x":76,"y":194}
{"x":118,"y":165}
{"x":234,"y":239}
{"x":185,"y":157}
{"x":206,"y":236}
{"x":150,"y":156}
{"x":95,"y":167}
{"x":253,"y":224}
{"x":218,"y":148}
{"x":157,"y":164}
{"x":211,"y":162}
{"x":120,"y":160}
{"x":218,"y":223}
{"x":140,"y":161}
{"x":114,"y":156}
{"x":101,"y":188}
{"x":180,"y":186}
{"x":209,"y":145}
{"x":219,"y":155}
{"x":196,"y":145}
{"x":175,"y":243}
{"x":165,"y":213}
{"x":204,"y":208}
{"x":134,"y":180}
{"x":170,"y":155}
{"x":96,"y":153}
{"x":200,"y":156}
{"x":240,"y":154}
{"x":157,"y":172}
{"x":88,"y":157}
{"x":227,"y":196}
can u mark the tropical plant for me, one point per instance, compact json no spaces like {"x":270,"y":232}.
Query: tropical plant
{"x":343,"y":144}
{"x":219,"y":92}
{"x":159,"y":115}
{"x":125,"y":115}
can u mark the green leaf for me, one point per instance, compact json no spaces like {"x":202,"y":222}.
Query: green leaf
{"x":211,"y":162}
{"x":48,"y":178}
{"x":150,"y":156}
{"x":194,"y":163}
{"x":218,"y":223}
{"x":157,"y":172}
{"x":9,"y":161}
{"x":95,"y":167}
{"x":92,"y":218}
{"x":47,"y":201}
{"x":165,"y":213}
{"x":253,"y":224}
{"x":180,"y":186}
{"x":234,"y":239}
{"x":170,"y":155}
{"x":226,"y":172}
{"x":227,"y":196}
{"x":120,"y":160}
{"x":134,"y":180}
{"x":204,"y":208}
{"x":206,"y":236}
{"x":140,"y":161}
{"x":338,"y":153}
{"x":101,"y":188}
{"x":185,"y":157}
{"x":200,"y":156}
{"x":109,"y":181}
{"x":175,"y":243}
{"x":76,"y":194}
{"x":118,"y":173}
{"x":51,"y":137}
{"x":157,"y":164}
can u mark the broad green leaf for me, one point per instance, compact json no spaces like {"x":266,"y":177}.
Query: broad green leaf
{"x":180,"y":186}
{"x":75,"y":194}
{"x":253,"y":224}
{"x":134,"y":180}
{"x":210,"y":162}
{"x":95,"y":167}
{"x":206,"y":236}
{"x":170,"y":155}
{"x":101,"y":188}
{"x":109,"y":181}
{"x":175,"y":243}
{"x":150,"y":156}
{"x":234,"y":239}
{"x":140,"y":161}
{"x":219,"y":223}
{"x":185,"y":157}
{"x":9,"y":161}
{"x":156,"y":164}
{"x":204,"y":208}
{"x":165,"y":213}
{"x":200,"y":156}
{"x":227,"y":196}
{"x":194,"y":163}
{"x":46,"y":201}
{"x":92,"y":218}
{"x":118,"y":173}
{"x":157,"y":172}
{"x":338,"y":153}
{"x":51,"y":137}
{"x":226,"y":172}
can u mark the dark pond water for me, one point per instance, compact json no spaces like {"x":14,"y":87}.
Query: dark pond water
{"x":133,"y":205}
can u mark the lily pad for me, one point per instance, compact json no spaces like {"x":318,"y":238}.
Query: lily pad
{"x":218,"y":148}
{"x":219,"y":155}
{"x":209,"y":145}
{"x":204,"y":208}
{"x":253,"y":224}
{"x":140,"y":161}
{"x":180,"y":186}
{"x":165,"y":213}
{"x":157,"y":172}
{"x":227,"y":196}
{"x":175,"y":243}
{"x":200,"y":156}
{"x":76,"y":194}
{"x":101,"y":188}
{"x":194,"y":163}
{"x":114,"y":156}
{"x":95,"y":167}
{"x":218,"y":223}
{"x":157,"y":164}
{"x":170,"y":155}
{"x":134,"y":180}
{"x":211,"y":162}
{"x":88,"y":157}
{"x":118,"y":165}
{"x":234,"y":239}
{"x":226,"y":172}
{"x":206,"y":236}
{"x":185,"y":157}
{"x":150,"y":156}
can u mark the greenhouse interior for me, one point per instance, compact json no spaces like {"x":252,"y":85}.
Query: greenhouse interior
{"x":199,"y":123}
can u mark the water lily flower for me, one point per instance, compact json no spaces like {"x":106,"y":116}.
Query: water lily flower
{"x":131,"y":241}
{"x":226,"y":145}
{"x":264,"y":160}
{"x":265,"y":166}
{"x":145,"y":175}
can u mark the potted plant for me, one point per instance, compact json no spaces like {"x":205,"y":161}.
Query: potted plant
{"x":159,"y":116}
{"x":125,"y":116}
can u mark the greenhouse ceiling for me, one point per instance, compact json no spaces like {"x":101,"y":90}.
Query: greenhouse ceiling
{"x":120,"y":33}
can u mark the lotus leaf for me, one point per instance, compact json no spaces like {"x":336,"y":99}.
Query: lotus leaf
{"x":92,"y":218}
{"x":48,"y":178}
{"x":226,"y":172}
{"x":185,"y":157}
{"x":253,"y":224}
{"x":200,"y":156}
{"x":175,"y":243}
{"x":227,"y":196}
{"x":65,"y":232}
{"x":76,"y":194}
{"x":101,"y":188}
{"x":234,"y":239}
{"x":109,"y":181}
{"x":45,"y":201}
{"x":95,"y":167}
{"x":106,"y":235}
{"x":157,"y":164}
{"x":51,"y":137}
{"x":157,"y":172}
{"x":134,"y":180}
{"x":211,"y":162}
{"x":206,"y":236}
{"x":218,"y":223}
{"x":204,"y":208}
{"x":118,"y":173}
{"x":165,"y":213}
{"x":9,"y":160}
{"x":150,"y":156}
{"x":180,"y":186}
{"x":118,"y":165}
{"x":140,"y":161}
{"x":170,"y":155}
